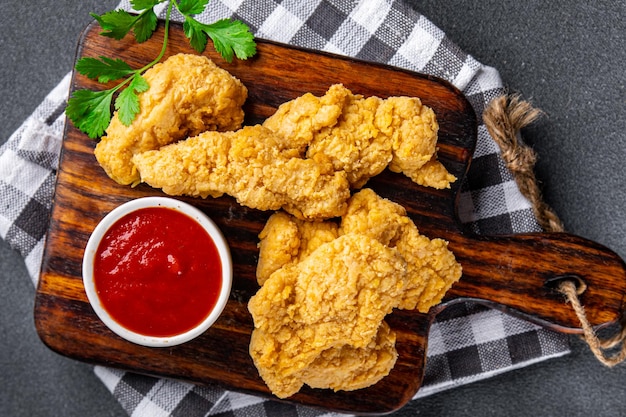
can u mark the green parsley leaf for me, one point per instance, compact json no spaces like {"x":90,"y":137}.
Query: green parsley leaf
{"x":187,"y":7}
{"x":231,"y":37}
{"x":145,"y":25}
{"x":194,"y":31}
{"x":127,"y":103}
{"x":90,"y":111}
{"x":103,"y":69}
{"x":115,"y":24}
{"x":144,"y":4}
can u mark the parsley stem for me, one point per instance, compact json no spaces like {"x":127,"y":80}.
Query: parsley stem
{"x":123,"y":83}
{"x":165,"y":37}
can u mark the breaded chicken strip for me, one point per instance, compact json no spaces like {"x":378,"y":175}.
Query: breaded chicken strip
{"x":336,"y":297}
{"x":251,"y":165}
{"x":188,"y":94}
{"x":341,"y":368}
{"x":362,"y":136}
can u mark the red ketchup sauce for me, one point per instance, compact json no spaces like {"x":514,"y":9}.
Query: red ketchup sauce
{"x":157,"y":272}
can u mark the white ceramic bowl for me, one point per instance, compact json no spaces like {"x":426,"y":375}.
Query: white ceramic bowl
{"x":198,"y":216}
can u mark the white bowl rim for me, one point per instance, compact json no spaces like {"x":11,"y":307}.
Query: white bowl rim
{"x":183,"y":207}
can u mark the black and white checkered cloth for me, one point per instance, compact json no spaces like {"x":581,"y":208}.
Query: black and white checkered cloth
{"x":466,"y":343}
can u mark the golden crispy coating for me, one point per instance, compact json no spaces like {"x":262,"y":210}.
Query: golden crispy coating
{"x":279,"y":245}
{"x":431,"y":270}
{"x":251,"y":165}
{"x":307,"y":271}
{"x":349,"y":368}
{"x":412,"y":128}
{"x":431,"y":174}
{"x":362,"y":136}
{"x":355,"y":144}
{"x":296,"y":121}
{"x":336,"y":296}
{"x":431,"y":266}
{"x":188,"y":94}
{"x":376,"y":217}
{"x":286,"y":239}
{"x":347,"y":140}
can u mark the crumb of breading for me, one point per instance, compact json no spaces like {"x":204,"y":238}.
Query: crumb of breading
{"x":305,"y":270}
{"x":335,"y":297}
{"x":250,"y":165}
{"x":188,"y":94}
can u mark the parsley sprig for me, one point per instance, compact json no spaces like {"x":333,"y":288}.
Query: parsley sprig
{"x":90,"y":111}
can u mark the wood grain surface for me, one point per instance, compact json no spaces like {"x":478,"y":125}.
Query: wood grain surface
{"x":513,"y":273}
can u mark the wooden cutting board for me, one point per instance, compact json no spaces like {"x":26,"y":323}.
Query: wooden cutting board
{"x":513,"y":273}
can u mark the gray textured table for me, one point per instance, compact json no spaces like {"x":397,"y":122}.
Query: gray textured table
{"x":568,"y":61}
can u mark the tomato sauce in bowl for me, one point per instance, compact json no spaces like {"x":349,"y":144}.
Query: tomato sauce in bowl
{"x":157,"y":271}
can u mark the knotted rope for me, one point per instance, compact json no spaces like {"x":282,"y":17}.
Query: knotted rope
{"x":504,"y":118}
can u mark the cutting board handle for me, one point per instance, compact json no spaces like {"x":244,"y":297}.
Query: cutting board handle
{"x":520,"y":275}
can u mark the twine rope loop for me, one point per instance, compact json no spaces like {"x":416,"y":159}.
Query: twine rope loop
{"x":504,"y":118}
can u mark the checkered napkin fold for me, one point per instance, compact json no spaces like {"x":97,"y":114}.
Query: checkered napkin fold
{"x":467,"y":342}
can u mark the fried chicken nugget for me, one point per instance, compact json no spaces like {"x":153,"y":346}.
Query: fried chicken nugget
{"x":336,"y":297}
{"x":279,"y":245}
{"x":431,"y":174}
{"x":251,"y":165}
{"x":376,"y":217}
{"x":188,"y":94}
{"x":431,"y":267}
{"x":286,"y":239}
{"x":412,"y":128}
